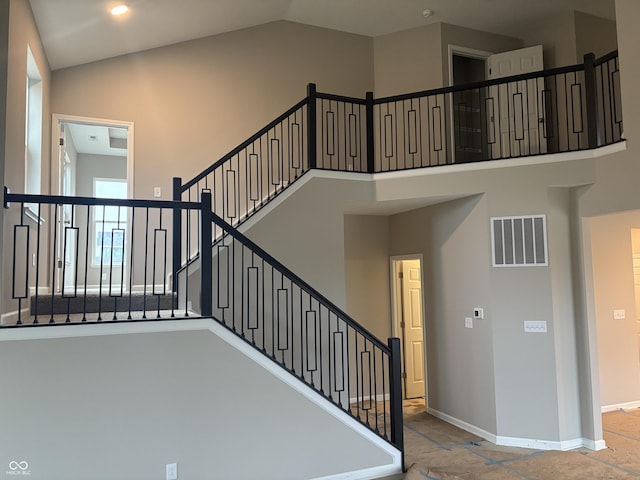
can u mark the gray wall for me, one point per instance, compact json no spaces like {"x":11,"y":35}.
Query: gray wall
{"x":4,"y":64}
{"x":91,"y":166}
{"x":418,"y":59}
{"x":22,"y":32}
{"x":193,"y":102}
{"x":366,"y":251}
{"x":124,"y":405}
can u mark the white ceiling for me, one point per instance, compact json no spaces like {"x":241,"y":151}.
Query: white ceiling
{"x":81,"y":31}
{"x":98,"y":139}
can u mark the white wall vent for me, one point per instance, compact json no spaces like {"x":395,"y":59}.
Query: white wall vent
{"x":519,"y":241}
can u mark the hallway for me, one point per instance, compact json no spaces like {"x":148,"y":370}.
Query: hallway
{"x":451,"y":453}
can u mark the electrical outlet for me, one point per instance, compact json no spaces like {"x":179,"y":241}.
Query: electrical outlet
{"x":157,"y":192}
{"x":172,"y":471}
{"x":468,"y":322}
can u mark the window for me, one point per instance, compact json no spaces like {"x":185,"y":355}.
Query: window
{"x":33,"y":127}
{"x":519,"y":241}
{"x":110,"y":223}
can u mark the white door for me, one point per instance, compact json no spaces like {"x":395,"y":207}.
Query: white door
{"x":515,"y":110}
{"x":414,"y":354}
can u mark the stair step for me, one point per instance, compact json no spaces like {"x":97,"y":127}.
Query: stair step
{"x":94,"y":302}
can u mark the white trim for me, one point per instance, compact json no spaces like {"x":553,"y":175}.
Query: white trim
{"x":11,"y":318}
{"x":620,"y":406}
{"x":562,"y":446}
{"x":42,"y":290}
{"x":505,"y":162}
{"x":463,"y":425}
{"x":530,"y":443}
{"x":378,"y":398}
{"x":92,"y":330}
{"x":393,"y":283}
{"x":367,"y":473}
{"x":427,"y":171}
{"x":58,"y":118}
{"x":32,"y":215}
{"x":594,"y":445}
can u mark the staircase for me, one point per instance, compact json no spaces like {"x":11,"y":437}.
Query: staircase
{"x":250,"y":293}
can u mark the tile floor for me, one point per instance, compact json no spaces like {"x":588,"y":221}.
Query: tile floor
{"x":448,"y":451}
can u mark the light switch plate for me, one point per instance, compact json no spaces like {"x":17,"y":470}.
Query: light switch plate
{"x":478,"y":313}
{"x":535,"y":326}
{"x":619,"y":314}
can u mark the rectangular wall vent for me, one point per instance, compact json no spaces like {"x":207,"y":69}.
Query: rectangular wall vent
{"x":519,"y":241}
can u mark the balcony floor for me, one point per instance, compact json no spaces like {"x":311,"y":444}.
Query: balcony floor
{"x":451,"y":453}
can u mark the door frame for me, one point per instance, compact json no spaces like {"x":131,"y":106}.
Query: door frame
{"x":57,"y":119}
{"x":56,"y":166}
{"x":461,"y":52}
{"x":396,"y":303}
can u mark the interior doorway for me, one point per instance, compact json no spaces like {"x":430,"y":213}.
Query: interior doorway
{"x":91,"y":158}
{"x":466,"y":66}
{"x":407,"y":299}
{"x":498,"y":121}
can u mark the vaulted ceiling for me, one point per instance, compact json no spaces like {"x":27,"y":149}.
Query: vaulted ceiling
{"x":81,"y":31}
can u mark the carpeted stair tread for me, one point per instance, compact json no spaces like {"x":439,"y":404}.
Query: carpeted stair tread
{"x":94,"y":302}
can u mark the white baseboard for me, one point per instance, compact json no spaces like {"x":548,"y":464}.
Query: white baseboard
{"x":378,"y":398}
{"x":620,"y":406}
{"x":537,"y":444}
{"x":11,"y":318}
{"x":463,"y":425}
{"x":517,"y":441}
{"x":41,"y":291}
{"x":594,"y":445}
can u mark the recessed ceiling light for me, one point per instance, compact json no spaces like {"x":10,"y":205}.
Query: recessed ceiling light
{"x":119,"y":9}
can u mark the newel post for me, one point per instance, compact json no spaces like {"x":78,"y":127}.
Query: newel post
{"x":395,"y":394}
{"x":370,"y":138}
{"x":312,"y":130}
{"x":177,"y":233}
{"x":206,"y":255}
{"x":593,"y":135}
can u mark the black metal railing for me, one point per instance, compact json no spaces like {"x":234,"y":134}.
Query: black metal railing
{"x":608,"y":97}
{"x":80,"y":259}
{"x":282,"y":316}
{"x":552,"y":111}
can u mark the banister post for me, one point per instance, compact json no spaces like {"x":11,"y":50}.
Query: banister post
{"x":206,"y":255}
{"x":370,"y":138}
{"x":593,"y":136}
{"x":312,"y":130}
{"x":177,"y":233}
{"x":395,"y":394}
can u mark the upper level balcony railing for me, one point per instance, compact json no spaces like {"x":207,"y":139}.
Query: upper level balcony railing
{"x":552,"y":111}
